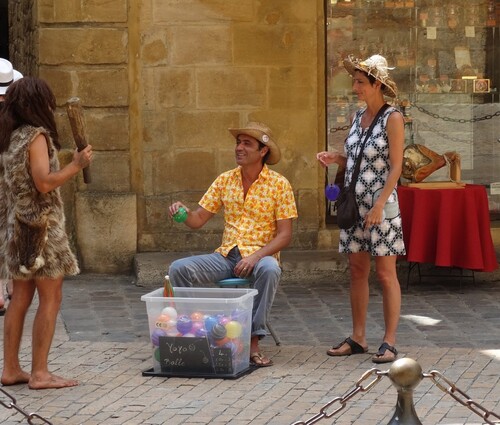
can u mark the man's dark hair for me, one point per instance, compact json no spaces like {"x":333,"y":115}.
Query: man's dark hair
{"x":262,"y":145}
{"x":28,"y":101}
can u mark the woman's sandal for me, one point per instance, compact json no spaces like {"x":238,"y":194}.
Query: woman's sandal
{"x":354,"y":347}
{"x":386,"y":354}
{"x":257,"y":359}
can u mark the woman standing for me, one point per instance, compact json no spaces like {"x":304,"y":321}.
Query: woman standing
{"x":35,"y":253}
{"x":7,"y":76}
{"x":378,"y":233}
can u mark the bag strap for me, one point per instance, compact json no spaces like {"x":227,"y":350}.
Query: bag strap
{"x":357,"y":167}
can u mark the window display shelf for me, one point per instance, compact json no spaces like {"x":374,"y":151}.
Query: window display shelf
{"x":447,"y":68}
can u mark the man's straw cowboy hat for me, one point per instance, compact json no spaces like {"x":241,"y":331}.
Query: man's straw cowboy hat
{"x":263,"y":134}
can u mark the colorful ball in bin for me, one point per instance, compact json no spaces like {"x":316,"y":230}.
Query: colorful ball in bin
{"x":223,"y":320}
{"x":184,"y":324}
{"x":155,"y":336}
{"x":162,"y":321}
{"x":210,"y":322}
{"x":239,"y":345}
{"x":196,"y":327}
{"x":233,"y":329}
{"x":201,"y":333}
{"x":218,"y":331}
{"x":170,"y":312}
{"x":222,"y":342}
{"x":197,"y":316}
{"x":157,"y":354}
{"x":173,"y":331}
{"x":232,"y":346}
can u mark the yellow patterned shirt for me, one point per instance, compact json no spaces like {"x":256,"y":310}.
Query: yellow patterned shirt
{"x":250,"y":223}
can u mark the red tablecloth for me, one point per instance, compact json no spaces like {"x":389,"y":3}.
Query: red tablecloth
{"x":448,"y":227}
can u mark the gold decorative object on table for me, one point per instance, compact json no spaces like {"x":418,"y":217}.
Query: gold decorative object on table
{"x":419,"y":162}
{"x":481,"y":85}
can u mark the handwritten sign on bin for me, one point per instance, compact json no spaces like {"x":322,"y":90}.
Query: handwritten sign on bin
{"x":193,"y":356}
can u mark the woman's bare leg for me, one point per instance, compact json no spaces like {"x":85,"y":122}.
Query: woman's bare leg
{"x":50,"y":297}
{"x":359,"y":265}
{"x":13,"y":331}
{"x":391,"y":295}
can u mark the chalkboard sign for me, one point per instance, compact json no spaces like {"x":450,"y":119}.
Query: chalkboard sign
{"x":223,"y":360}
{"x":193,"y":356}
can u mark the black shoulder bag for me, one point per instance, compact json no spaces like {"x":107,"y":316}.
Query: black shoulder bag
{"x":346,"y":205}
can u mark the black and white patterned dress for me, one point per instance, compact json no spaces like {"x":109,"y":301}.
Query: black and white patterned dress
{"x":386,"y":238}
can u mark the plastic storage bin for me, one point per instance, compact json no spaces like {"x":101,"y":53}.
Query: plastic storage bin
{"x":202,"y":332}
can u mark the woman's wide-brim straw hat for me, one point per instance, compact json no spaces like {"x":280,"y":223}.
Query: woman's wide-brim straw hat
{"x":375,"y":66}
{"x":263,"y":134}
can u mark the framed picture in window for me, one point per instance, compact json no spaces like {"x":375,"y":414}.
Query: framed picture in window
{"x":481,"y":85}
{"x":458,"y":85}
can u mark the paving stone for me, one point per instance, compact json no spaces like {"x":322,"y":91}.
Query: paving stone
{"x":102,"y":339}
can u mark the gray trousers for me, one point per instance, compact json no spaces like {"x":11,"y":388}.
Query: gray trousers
{"x":200,"y":269}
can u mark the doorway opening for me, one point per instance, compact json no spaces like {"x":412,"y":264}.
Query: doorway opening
{"x":4,"y":29}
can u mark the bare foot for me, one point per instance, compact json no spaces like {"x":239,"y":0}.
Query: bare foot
{"x":21,"y":377}
{"x":50,"y":381}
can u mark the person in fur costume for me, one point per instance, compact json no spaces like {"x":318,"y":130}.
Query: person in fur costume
{"x":34,"y":247}
{"x":7,"y":76}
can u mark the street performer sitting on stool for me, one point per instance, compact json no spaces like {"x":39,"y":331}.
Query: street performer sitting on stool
{"x":259,"y":206}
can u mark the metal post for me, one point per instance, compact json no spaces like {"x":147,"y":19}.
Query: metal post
{"x":405,"y":374}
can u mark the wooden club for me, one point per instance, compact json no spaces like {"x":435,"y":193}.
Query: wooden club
{"x":77,"y":122}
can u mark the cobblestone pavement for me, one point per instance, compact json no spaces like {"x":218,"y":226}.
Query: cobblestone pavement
{"x":102,"y":339}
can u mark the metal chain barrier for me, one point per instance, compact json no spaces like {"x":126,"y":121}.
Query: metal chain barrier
{"x":403,"y":368}
{"x":425,"y":126}
{"x":335,"y":129}
{"x":458,"y":120}
{"x":32,"y":418}
{"x":342,"y":401}
{"x":460,"y":396}
{"x":433,"y":115}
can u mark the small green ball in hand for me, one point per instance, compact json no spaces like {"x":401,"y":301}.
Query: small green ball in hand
{"x":181,"y":215}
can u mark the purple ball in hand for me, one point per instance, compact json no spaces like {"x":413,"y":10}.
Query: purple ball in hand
{"x":332,"y":192}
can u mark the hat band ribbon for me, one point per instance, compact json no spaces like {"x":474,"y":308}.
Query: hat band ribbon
{"x":7,"y":84}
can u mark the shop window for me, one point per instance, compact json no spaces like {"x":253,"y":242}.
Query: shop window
{"x":447,"y":68}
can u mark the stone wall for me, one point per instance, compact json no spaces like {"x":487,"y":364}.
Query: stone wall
{"x":207,"y":66}
{"x":23,"y":46}
{"x":161,"y":81}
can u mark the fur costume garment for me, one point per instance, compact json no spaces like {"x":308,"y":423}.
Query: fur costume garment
{"x":33,"y":243}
